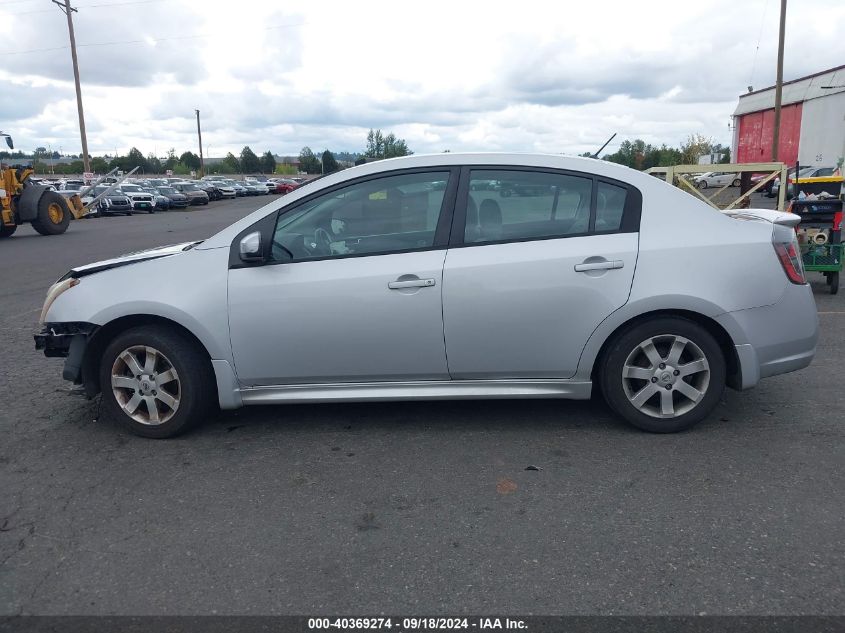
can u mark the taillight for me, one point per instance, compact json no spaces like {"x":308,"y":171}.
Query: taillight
{"x":789,"y":255}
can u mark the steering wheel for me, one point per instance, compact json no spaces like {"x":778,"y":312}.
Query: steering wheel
{"x":322,"y":241}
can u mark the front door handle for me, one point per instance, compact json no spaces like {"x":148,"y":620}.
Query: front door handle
{"x":605,"y":265}
{"x":410,"y":283}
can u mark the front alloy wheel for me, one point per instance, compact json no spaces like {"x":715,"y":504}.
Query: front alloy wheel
{"x":155,"y":381}
{"x":145,"y":385}
{"x":663,"y":375}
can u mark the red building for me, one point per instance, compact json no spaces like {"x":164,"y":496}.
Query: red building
{"x":812,"y":127}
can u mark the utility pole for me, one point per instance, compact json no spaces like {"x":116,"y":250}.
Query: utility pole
{"x":69,"y":11}
{"x":779,"y":82}
{"x":199,"y":136}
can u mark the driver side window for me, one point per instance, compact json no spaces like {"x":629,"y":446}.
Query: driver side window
{"x":383,"y":215}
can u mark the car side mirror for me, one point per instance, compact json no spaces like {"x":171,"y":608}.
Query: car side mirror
{"x":250,"y":248}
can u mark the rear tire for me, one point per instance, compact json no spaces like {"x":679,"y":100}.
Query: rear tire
{"x":668,"y":398}
{"x":53,"y":214}
{"x":735,"y":183}
{"x":833,"y":281}
{"x":157,"y":395}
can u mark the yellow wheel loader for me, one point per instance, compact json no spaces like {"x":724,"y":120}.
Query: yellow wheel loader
{"x":23,"y":200}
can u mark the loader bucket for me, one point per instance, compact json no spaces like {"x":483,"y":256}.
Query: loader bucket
{"x":77,"y":207}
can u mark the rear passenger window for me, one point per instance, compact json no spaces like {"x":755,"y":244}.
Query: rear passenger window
{"x":610,"y":205}
{"x":514,"y":205}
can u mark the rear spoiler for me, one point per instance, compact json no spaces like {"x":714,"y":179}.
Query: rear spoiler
{"x":766,"y":215}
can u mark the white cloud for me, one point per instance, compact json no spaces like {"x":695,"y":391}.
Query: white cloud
{"x":537,"y":75}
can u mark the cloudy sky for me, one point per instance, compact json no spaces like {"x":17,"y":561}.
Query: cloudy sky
{"x":553,"y":76}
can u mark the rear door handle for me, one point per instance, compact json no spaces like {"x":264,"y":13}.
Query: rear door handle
{"x":410,"y":283}
{"x":606,"y":265}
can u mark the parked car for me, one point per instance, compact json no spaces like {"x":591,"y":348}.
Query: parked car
{"x":755,"y":178}
{"x":226,"y":190}
{"x":113,"y":203}
{"x":253,"y":188}
{"x":141,"y":200}
{"x":716,"y":179}
{"x":541,"y":296}
{"x":240,"y":190}
{"x":210,"y":188}
{"x":178,"y":200}
{"x":284,"y":185}
{"x":72,"y":184}
{"x":805,"y":172}
{"x":162,"y":202}
{"x":194,"y":194}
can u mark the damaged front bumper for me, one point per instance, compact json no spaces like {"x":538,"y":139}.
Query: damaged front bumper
{"x":66,"y":340}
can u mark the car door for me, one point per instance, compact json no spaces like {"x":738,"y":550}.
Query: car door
{"x":350,"y":288}
{"x":528,"y":278}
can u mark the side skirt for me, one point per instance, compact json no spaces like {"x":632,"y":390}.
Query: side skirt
{"x":418,"y":390}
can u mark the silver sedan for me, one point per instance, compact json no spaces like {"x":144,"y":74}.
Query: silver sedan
{"x":412,"y":279}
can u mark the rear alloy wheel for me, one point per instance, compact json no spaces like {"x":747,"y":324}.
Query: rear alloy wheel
{"x":735,"y":183}
{"x":664,"y":375}
{"x":702,"y":184}
{"x":53,"y":215}
{"x":155,"y":382}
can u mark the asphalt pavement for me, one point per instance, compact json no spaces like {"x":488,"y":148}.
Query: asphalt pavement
{"x":505,"y":507}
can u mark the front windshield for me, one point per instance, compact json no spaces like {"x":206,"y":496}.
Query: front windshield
{"x":166,"y":190}
{"x":189,"y":187}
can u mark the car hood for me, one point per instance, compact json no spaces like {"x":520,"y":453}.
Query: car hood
{"x":128,"y":258}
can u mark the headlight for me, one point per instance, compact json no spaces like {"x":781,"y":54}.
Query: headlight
{"x":53,"y":293}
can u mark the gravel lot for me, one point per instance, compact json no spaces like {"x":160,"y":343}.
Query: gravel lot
{"x":423,"y":508}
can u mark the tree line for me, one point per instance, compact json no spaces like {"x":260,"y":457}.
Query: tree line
{"x":378,"y":146}
{"x":638,"y":154}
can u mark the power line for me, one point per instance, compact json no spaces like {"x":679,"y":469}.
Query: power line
{"x":147,"y":40}
{"x":759,"y":37}
{"x":94,"y":6}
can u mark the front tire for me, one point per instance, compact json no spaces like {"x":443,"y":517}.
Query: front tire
{"x":155,"y":382}
{"x":53,"y":215}
{"x":735,"y":183}
{"x":6,"y":230}
{"x":664,"y":375}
